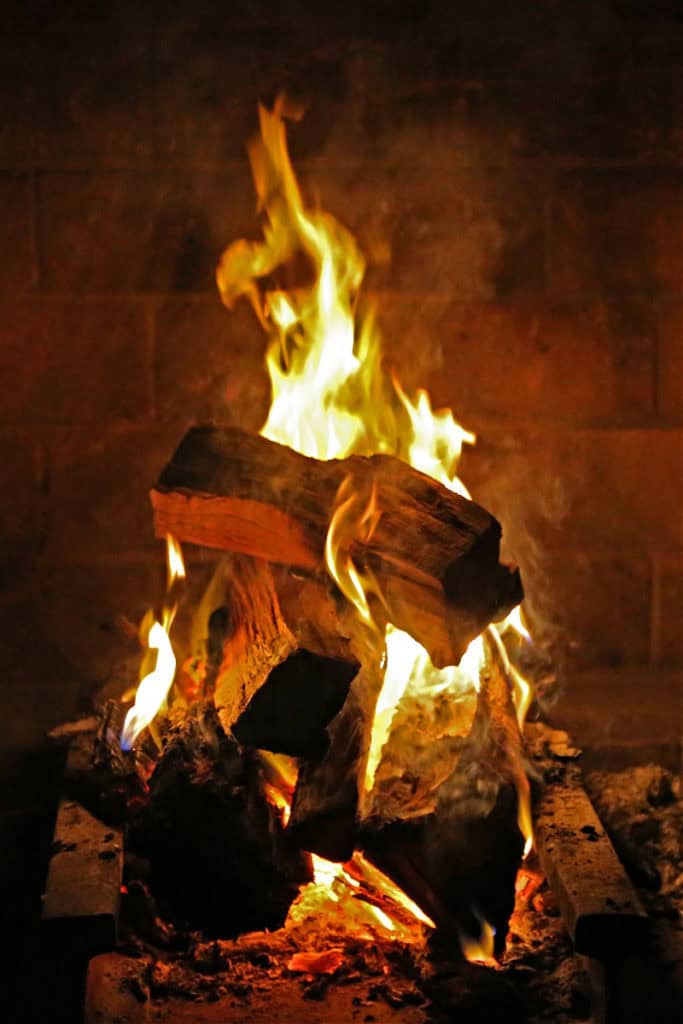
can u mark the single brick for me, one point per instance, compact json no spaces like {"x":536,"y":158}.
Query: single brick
{"x":23,"y":512}
{"x":599,"y":905}
{"x":125,"y":231}
{"x":84,"y":361}
{"x":26,"y":340}
{"x":540,"y":42}
{"x":210,"y":363}
{"x":637,"y":705}
{"x":18,"y":269}
{"x":616,"y":232}
{"x":590,"y":609}
{"x":670,"y":365}
{"x":469,"y":236}
{"x":85,"y":610}
{"x":83,"y":885}
{"x":83,"y":96}
{"x":667,"y":620}
{"x":42,"y":686}
{"x":611,"y":112}
{"x":525,"y":361}
{"x":100,"y":478}
{"x":603,"y":490}
{"x":209,"y":84}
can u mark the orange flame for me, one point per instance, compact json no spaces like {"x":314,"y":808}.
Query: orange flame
{"x":331,"y":399}
{"x":480,"y":950}
{"x":333,"y":879}
{"x":153,"y":688}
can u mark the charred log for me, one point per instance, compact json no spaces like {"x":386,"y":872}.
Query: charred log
{"x":459,"y":863}
{"x":324,"y":818}
{"x":289,"y":713}
{"x":219,"y":857}
{"x":434,"y":554}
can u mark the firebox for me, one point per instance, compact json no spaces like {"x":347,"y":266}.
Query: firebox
{"x":400,"y":730}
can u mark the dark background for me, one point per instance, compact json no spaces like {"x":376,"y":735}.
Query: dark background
{"x":514,"y":173}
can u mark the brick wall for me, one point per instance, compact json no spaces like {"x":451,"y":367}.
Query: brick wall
{"x":515,"y":173}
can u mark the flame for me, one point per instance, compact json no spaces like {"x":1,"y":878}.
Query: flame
{"x":408,"y":666}
{"x":349,"y":523}
{"x":153,"y":688}
{"x":324,"y":370}
{"x":480,"y":950}
{"x":436,"y":440}
{"x":174,"y":560}
{"x":360,"y":865}
{"x":367,"y":885}
{"x":330,"y":399}
{"x":332,"y":879}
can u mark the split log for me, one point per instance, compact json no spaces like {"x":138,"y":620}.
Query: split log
{"x":219,"y":857}
{"x":324,"y":816}
{"x":82,"y":891}
{"x":459,"y":863}
{"x":272,"y":692}
{"x":288,"y":715}
{"x":434,"y":554}
{"x":599,"y":905}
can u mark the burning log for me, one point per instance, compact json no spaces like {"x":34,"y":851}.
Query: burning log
{"x":434,"y":554}
{"x":219,"y":857}
{"x":459,"y":863}
{"x":324,"y":818}
{"x":272,"y":692}
{"x":289,"y":713}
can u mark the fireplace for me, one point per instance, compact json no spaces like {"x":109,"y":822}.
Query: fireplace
{"x":514,"y":180}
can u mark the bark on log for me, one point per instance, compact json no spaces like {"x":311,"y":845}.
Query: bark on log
{"x":272,"y":692}
{"x":434,"y":554}
{"x":460,"y":862}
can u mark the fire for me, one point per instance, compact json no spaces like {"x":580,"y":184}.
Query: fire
{"x":153,"y":688}
{"x":331,"y":399}
{"x":349,"y":522}
{"x":366,"y":886}
{"x":324,"y":370}
{"x":332,"y":882}
{"x":480,"y":950}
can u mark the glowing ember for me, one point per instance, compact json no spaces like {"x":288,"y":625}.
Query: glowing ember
{"x":332,"y":881}
{"x":365,"y":898}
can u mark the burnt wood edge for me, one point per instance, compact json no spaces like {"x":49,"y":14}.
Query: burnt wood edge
{"x":83,"y":886}
{"x":82,"y":892}
{"x":599,"y":905}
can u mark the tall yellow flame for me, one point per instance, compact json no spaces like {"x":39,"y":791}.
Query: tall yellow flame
{"x":323,"y":366}
{"x":330,"y":399}
{"x":154,"y":686}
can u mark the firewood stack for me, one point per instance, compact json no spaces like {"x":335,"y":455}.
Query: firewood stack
{"x":298,"y":674}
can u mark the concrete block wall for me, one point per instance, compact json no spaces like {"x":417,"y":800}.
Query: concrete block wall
{"x":515,"y":177}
